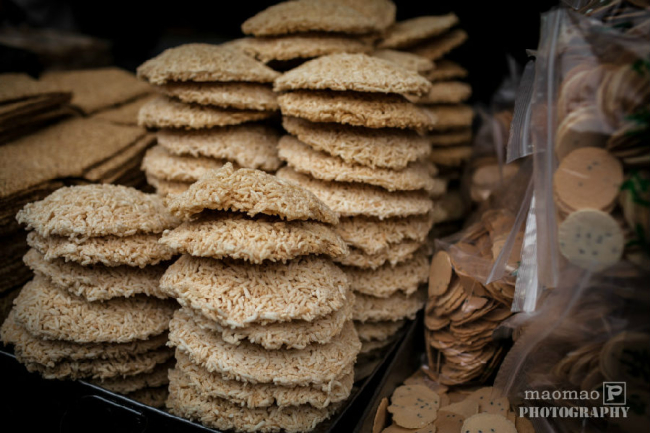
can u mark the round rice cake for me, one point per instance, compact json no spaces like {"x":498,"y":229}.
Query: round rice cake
{"x":300,"y":46}
{"x":264,"y":394}
{"x":447,"y":92}
{"x":255,"y":240}
{"x":483,"y":422}
{"x":251,"y":191}
{"x":137,"y":250}
{"x":372,"y":110}
{"x":97,"y":210}
{"x":294,"y":334}
{"x":165,"y":188}
{"x":51,"y":313}
{"x":366,"y":200}
{"x":237,"y":95}
{"x":247,"y":362}
{"x":154,"y":397}
{"x":397,"y":307}
{"x":50,"y":352}
{"x":221,"y":414}
{"x":409,"y":61}
{"x":454,"y":156}
{"x":394,"y":254}
{"x":435,"y":48}
{"x":98,"y":283}
{"x":204,"y":62}
{"x":387,"y":280}
{"x":383,"y":148}
{"x":163,"y":112}
{"x":451,"y":116}
{"x":352,"y":72}
{"x":237,"y":294}
{"x":372,"y":235}
{"x":161,"y":164}
{"x":450,"y":138}
{"x":101,"y":368}
{"x":591,"y":239}
{"x":125,"y":385}
{"x":409,"y":32}
{"x":377,"y":331}
{"x":248,"y":145}
{"x":445,"y":70}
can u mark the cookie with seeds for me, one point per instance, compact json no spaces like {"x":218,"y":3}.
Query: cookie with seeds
{"x":377,"y":331}
{"x":161,"y":164}
{"x":253,"y":192}
{"x":138,"y":250}
{"x":248,"y":146}
{"x":409,"y":32}
{"x":488,"y":422}
{"x":163,"y":112}
{"x":167,"y":187}
{"x":352,"y":72}
{"x":223,"y":235}
{"x":126,"y":385}
{"x":409,"y":61}
{"x":394,"y":254}
{"x":383,"y":282}
{"x":238,"y":95}
{"x":435,"y":48}
{"x":445,"y":70}
{"x":396,"y":307}
{"x":247,"y":362}
{"x":372,"y":235}
{"x":97,"y":210}
{"x":374,"y":148}
{"x":372,"y":110}
{"x":271,"y":292}
{"x":204,"y":62}
{"x":319,"y":165}
{"x":357,"y":199}
{"x":98,"y":283}
{"x":51,"y":313}
{"x":414,"y":406}
{"x":264,"y":394}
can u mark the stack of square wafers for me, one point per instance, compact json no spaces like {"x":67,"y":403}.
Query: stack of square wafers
{"x":212,"y":99}
{"x":94,"y":309}
{"x":264,"y":341}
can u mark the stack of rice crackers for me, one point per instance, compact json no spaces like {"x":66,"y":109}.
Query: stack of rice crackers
{"x":209,"y":111}
{"x":264,"y":341}
{"x":94,"y":309}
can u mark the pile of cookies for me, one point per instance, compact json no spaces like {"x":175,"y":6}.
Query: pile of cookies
{"x":421,"y":405}
{"x":209,"y":111}
{"x":94,"y":310}
{"x":462,"y":312}
{"x":264,"y":341}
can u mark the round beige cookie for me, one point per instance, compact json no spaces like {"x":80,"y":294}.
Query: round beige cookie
{"x":445,"y":70}
{"x":375,"y":148}
{"x":312,"y":15}
{"x":372,"y":110}
{"x":101,"y":368}
{"x":248,"y":146}
{"x":237,"y":294}
{"x":354,"y":199}
{"x":445,"y":92}
{"x":487,"y":422}
{"x":451,"y":116}
{"x":300,"y":46}
{"x":450,"y":138}
{"x":163,"y":112}
{"x":204,"y":62}
{"x":253,"y":192}
{"x":435,"y":48}
{"x":154,"y":397}
{"x":409,"y":61}
{"x":387,"y":280}
{"x":51,"y":352}
{"x":238,"y":95}
{"x":98,"y":283}
{"x":397,"y":307}
{"x":377,"y":331}
{"x":394,"y":254}
{"x":320,"y":165}
{"x":410,"y":32}
{"x":264,"y":394}
{"x":356,"y":72}
{"x":221,"y":414}
{"x":371,"y":235}
{"x":97,"y":210}
{"x":294,"y":334}
{"x":161,"y":164}
{"x":125,"y":385}
{"x":137,"y":250}
{"x":255,"y":240}
{"x":51,"y":313}
{"x":247,"y":362}
{"x":167,"y":187}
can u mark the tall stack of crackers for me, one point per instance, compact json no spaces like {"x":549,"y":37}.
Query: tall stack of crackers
{"x":94,"y":309}
{"x":211,"y":104}
{"x":264,"y":339}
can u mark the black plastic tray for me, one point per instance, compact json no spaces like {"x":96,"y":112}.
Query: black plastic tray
{"x":32,"y":403}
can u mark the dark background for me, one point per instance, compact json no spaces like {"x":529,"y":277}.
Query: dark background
{"x":139,"y":30}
